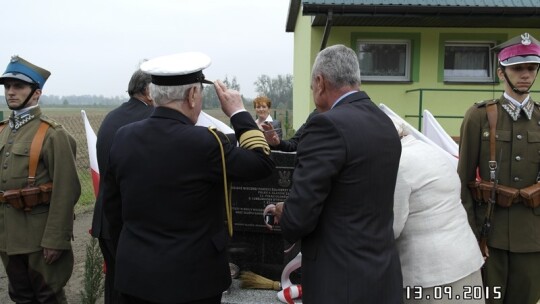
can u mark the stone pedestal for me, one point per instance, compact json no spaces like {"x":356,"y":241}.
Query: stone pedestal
{"x":254,"y":247}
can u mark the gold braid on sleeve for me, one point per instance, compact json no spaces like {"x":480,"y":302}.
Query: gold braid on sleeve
{"x":253,"y":139}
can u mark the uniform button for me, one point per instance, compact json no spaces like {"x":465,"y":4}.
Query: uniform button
{"x":486,"y":134}
{"x":518,"y":158}
{"x":5,"y":166}
{"x":519,"y":136}
{"x":496,"y":135}
{"x":10,"y":141}
{"x":516,"y":179}
{"x":7,"y":153}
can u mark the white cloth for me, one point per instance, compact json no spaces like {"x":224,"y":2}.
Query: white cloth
{"x":411,"y":130}
{"x":434,"y":239}
{"x":434,"y":131}
{"x":206,"y":120}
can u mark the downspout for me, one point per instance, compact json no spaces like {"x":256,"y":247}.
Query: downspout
{"x":326,"y":30}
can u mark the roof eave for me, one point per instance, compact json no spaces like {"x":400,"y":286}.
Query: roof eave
{"x":292,"y":16}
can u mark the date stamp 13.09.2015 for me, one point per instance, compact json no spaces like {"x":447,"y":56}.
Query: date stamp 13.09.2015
{"x":448,"y":293}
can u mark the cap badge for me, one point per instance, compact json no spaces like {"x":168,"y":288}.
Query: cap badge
{"x":14,"y":58}
{"x":525,"y":39}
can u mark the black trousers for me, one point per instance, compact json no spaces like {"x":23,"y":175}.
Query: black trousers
{"x":111,"y":295}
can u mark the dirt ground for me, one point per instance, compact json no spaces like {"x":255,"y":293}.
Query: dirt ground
{"x":83,"y":222}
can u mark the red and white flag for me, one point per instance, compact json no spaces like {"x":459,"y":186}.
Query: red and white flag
{"x":91,"y":139}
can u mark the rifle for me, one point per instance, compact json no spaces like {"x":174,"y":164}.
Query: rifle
{"x":486,"y":227}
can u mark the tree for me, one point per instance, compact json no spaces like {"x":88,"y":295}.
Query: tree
{"x":278,"y":89}
{"x":210,"y":99}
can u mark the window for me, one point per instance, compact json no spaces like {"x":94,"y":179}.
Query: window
{"x":468,"y":62}
{"x":385,"y":60}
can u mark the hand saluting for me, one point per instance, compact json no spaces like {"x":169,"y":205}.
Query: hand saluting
{"x":230,"y":99}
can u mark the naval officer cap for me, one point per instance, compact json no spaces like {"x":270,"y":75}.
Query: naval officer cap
{"x":20,"y":69}
{"x":177,"y":69}
{"x":520,"y":49}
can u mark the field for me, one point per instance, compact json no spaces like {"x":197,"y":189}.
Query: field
{"x":71,"y":119}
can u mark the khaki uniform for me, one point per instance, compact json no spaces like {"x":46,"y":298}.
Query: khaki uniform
{"x":515,"y":229}
{"x":46,"y":226}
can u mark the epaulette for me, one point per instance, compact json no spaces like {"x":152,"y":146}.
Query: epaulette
{"x":50,"y":121}
{"x":485,"y":102}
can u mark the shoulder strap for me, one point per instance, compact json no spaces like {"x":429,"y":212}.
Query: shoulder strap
{"x":491,"y":110}
{"x":35,"y":150}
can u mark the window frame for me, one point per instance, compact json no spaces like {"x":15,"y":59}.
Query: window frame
{"x":471,"y":79}
{"x":494,"y":38}
{"x":408,"y":59}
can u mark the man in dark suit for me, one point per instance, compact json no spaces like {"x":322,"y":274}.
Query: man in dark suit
{"x":166,"y":188}
{"x":138,"y":107}
{"x":341,"y":202}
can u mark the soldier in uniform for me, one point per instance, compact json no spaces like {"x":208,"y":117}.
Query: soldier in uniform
{"x":512,"y":269}
{"x":39,"y":186}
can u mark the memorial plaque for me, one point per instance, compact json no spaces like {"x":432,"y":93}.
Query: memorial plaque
{"x":254,"y":247}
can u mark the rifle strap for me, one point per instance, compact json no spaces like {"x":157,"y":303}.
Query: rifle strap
{"x":35,"y":150}
{"x":491,"y":110}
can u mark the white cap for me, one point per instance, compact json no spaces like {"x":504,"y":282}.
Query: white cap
{"x":177,"y":69}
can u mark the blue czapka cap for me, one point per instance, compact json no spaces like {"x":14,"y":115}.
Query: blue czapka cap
{"x":20,"y":69}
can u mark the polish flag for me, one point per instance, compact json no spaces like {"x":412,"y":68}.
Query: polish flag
{"x":91,"y":142}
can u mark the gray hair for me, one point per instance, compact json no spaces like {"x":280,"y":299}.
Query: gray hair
{"x":339,"y":65}
{"x":165,"y":94}
{"x":138,"y":83}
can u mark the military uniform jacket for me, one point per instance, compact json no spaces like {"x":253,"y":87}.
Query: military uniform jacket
{"x":165,"y":204}
{"x":46,"y":226}
{"x":341,"y":205}
{"x":516,"y":228}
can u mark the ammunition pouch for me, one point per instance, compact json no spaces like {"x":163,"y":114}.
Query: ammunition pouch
{"x":476,"y":194}
{"x":531,"y":195}
{"x":505,"y":196}
{"x":29,"y":197}
{"x":13,"y":197}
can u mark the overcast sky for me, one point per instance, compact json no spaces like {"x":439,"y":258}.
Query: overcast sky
{"x":93,"y":47}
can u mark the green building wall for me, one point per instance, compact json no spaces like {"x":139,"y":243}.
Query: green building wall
{"x":447,"y":102}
